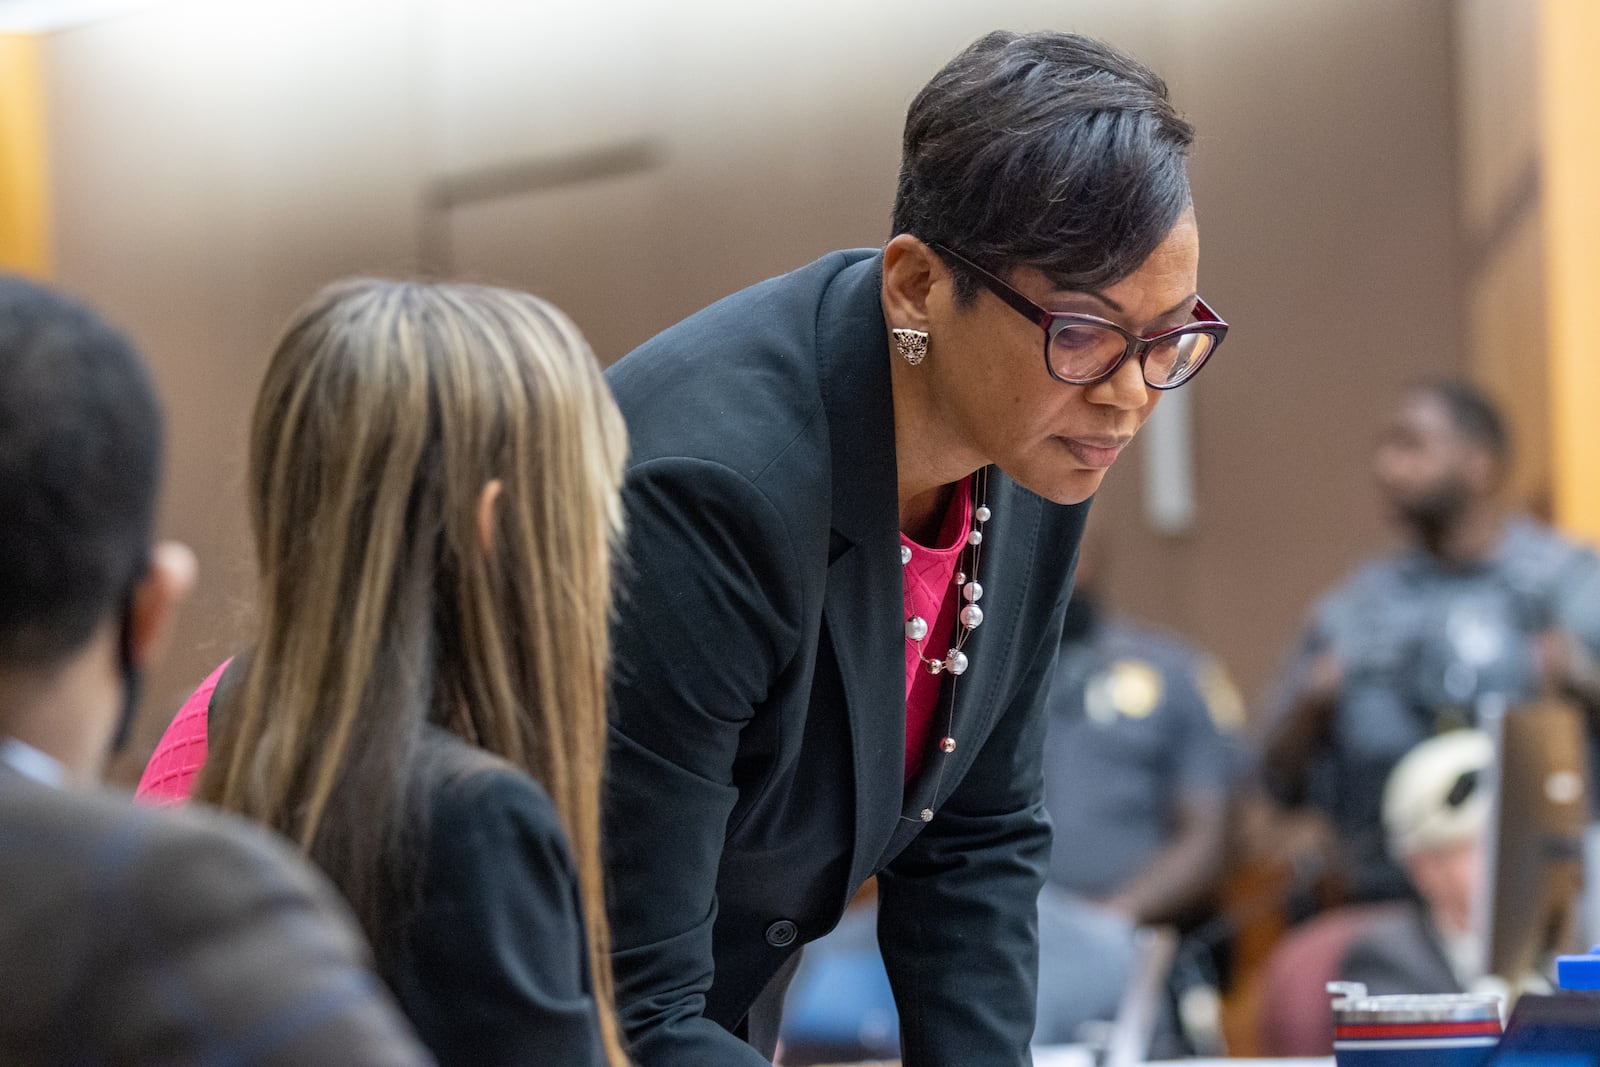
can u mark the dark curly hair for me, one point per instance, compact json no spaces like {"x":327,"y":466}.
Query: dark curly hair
{"x":80,"y":459}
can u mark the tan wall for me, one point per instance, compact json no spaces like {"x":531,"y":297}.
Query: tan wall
{"x":1504,"y":293}
{"x":213,"y":167}
{"x":1325,"y":182}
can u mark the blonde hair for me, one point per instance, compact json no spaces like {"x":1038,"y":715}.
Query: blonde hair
{"x":386,"y":410}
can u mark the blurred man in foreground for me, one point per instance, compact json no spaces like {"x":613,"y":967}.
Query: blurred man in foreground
{"x":129,"y":935}
{"x":1481,"y":607}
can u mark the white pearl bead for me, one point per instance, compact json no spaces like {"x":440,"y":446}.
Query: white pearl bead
{"x":926,"y":814}
{"x":916,"y":628}
{"x":972,"y":591}
{"x":971,"y":616}
{"x":975,"y":537}
{"x":982,"y":514}
{"x":956,"y":661}
{"x":905,"y":555}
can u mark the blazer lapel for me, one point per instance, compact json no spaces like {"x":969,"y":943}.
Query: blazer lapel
{"x":864,"y":599}
{"x":862,"y":604}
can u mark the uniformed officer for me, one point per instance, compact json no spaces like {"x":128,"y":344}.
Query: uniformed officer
{"x":1482,"y":607}
{"x":1139,"y":764}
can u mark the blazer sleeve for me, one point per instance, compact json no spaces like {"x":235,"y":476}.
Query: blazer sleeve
{"x":226,"y":948}
{"x":494,"y":969}
{"x":958,"y":908}
{"x":708,"y":618}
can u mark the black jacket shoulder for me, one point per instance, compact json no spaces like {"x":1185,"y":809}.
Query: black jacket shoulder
{"x":735,"y":382}
{"x":496,"y":967}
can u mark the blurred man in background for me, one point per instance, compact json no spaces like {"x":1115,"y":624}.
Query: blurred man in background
{"x":1482,"y":606}
{"x":129,"y":935}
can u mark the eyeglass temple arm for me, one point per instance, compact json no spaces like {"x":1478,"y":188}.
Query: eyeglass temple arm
{"x":1039,"y":315}
{"x":999,"y":288}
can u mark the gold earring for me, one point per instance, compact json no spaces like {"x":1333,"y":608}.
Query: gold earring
{"x":913,"y":344}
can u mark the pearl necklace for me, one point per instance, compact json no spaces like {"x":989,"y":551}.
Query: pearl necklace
{"x":954,"y":662}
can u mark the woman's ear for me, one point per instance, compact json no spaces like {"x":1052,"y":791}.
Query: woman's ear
{"x":911,"y":272}
{"x":488,"y":500}
{"x":166,"y":585}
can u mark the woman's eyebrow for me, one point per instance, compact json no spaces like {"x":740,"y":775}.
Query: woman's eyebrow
{"x":1186,"y":304}
{"x":1097,"y":295}
{"x":1183,"y":305}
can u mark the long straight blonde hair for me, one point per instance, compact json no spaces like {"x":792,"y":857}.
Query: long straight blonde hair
{"x":386,"y":410}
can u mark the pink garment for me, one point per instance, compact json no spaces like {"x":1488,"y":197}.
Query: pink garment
{"x":931,"y":594}
{"x":170,"y":775}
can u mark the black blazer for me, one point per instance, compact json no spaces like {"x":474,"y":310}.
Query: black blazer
{"x":488,"y":956}
{"x":757,"y":745}
{"x":493,"y":968}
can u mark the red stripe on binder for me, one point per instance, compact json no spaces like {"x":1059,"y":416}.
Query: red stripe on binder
{"x":1357,"y":1031}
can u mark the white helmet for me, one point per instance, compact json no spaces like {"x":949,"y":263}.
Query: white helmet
{"x":1433,"y":799}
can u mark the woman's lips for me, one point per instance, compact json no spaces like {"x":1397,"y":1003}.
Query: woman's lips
{"x":1096,"y":452}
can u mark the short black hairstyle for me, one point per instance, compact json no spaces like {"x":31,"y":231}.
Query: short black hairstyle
{"x":1048,"y":150}
{"x":1474,"y":416}
{"x":80,"y":458}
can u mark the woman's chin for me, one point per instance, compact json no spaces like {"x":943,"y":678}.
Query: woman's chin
{"x":1061,"y":487}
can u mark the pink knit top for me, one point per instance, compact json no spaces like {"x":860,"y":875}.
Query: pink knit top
{"x":170,"y":775}
{"x":930,"y":592}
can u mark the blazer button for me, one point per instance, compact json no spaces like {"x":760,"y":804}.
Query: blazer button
{"x":782,"y":933}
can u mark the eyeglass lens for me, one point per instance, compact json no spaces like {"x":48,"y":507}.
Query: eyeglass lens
{"x":1082,"y":352}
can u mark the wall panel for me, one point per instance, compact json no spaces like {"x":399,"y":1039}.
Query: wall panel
{"x":217,"y":162}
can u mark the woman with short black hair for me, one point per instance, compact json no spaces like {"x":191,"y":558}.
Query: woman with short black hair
{"x":854,"y":499}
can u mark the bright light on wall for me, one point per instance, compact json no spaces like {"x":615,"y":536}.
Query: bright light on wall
{"x":1169,"y":492}
{"x":43,"y":16}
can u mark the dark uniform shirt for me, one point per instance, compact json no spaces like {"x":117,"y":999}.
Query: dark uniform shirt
{"x":1422,"y":646}
{"x":1136,"y":722}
